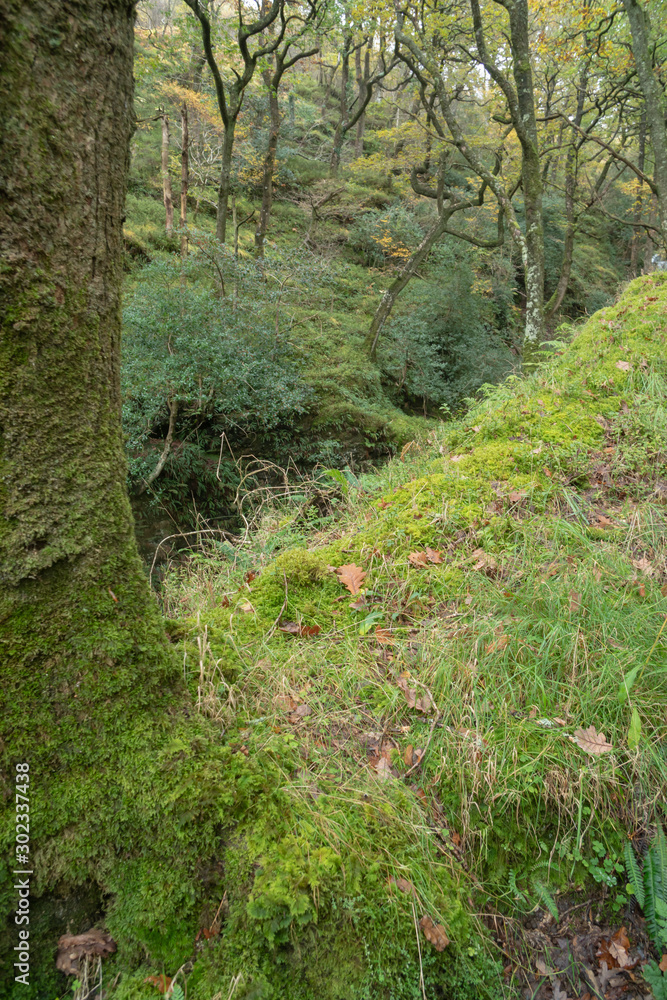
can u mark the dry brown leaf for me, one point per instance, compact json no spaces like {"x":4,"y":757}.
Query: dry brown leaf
{"x":161,"y":982}
{"x":605,"y":522}
{"x":419,"y":559}
{"x":614,"y":951}
{"x":385,"y":636}
{"x":644,"y":565}
{"x":359,"y":604}
{"x":624,"y":366}
{"x":352,"y":577}
{"x":435,"y":933}
{"x":498,"y":644}
{"x":246,"y":607}
{"x":383,"y":769}
{"x":575,"y":601}
{"x":484,"y":561}
{"x":591,"y":741}
{"x":455,"y":458}
{"x":422,"y":704}
{"x":73,"y":947}
{"x":663,"y":964}
{"x":293,"y":628}
{"x":516,"y":497}
{"x":433,"y":555}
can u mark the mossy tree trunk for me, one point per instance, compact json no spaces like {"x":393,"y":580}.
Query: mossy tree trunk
{"x":88,"y":681}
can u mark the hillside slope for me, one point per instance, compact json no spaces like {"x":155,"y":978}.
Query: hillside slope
{"x":407,"y":732}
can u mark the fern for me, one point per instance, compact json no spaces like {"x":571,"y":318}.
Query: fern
{"x":634,"y":873}
{"x":545,"y":897}
{"x":176,"y":992}
{"x":516,"y":892}
{"x":656,"y":980}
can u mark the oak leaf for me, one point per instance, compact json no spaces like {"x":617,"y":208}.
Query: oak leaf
{"x":422,"y":704}
{"x":351,"y":576}
{"x":435,"y":933}
{"x":624,"y":366}
{"x":383,"y":769}
{"x":385,"y":636}
{"x":161,"y":982}
{"x":483,"y":561}
{"x":293,"y":628}
{"x":591,"y":741}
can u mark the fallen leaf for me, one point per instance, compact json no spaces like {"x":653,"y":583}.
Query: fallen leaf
{"x":384,"y":635}
{"x":497,"y":644}
{"x":246,"y":607}
{"x":435,"y":933}
{"x":383,"y":769}
{"x":293,"y":628}
{"x":359,"y":604}
{"x":591,"y":741}
{"x":468,"y":599}
{"x":625,"y":366}
{"x":644,"y":565}
{"x":405,"y":886}
{"x":351,"y":576}
{"x":477,"y":429}
{"x":516,"y":497}
{"x":299,"y":713}
{"x":72,"y":948}
{"x":641,"y":589}
{"x":484,"y":561}
{"x":161,"y":982}
{"x":575,"y":601}
{"x":422,"y":704}
{"x":418,"y":559}
{"x":548,"y":472}
{"x":614,"y":951}
{"x":113,"y":596}
{"x":605,"y":522}
{"x":663,"y":964}
{"x":455,"y":458}
{"x":433,"y":555}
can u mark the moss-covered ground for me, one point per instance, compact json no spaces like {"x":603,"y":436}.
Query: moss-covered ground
{"x":411,"y":750}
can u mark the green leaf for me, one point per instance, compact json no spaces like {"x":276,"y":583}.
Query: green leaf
{"x":369,"y":621}
{"x":635,"y":730}
{"x":339,"y":478}
{"x":626,"y":685}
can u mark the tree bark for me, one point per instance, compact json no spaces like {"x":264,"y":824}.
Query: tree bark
{"x":654,"y":102}
{"x":411,"y":265}
{"x":362,"y":79}
{"x":637,"y":208}
{"x":341,"y":129}
{"x":167,"y":196}
{"x":87,"y":676}
{"x":225,"y":180}
{"x":269,"y":164}
{"x":185,"y":177}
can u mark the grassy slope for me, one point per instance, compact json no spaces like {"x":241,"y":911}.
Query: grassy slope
{"x":546,"y":503}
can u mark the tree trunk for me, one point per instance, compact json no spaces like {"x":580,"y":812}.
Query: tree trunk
{"x":87,"y":676}
{"x":269,"y":165}
{"x":531,"y":173}
{"x":361,"y":79}
{"x":334,"y":163}
{"x":166,"y":178}
{"x":225,"y":181}
{"x":411,"y":265}
{"x":185,"y":177}
{"x":654,"y":100}
{"x":637,"y":208}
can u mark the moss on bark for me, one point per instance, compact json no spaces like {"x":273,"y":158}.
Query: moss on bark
{"x":91,"y":697}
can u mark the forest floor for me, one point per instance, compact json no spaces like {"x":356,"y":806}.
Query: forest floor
{"x":446,"y":681}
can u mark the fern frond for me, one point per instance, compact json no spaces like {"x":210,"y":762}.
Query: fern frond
{"x":545,"y":897}
{"x":652,"y":891}
{"x":516,"y":892}
{"x":634,"y":873}
{"x":659,"y":848}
